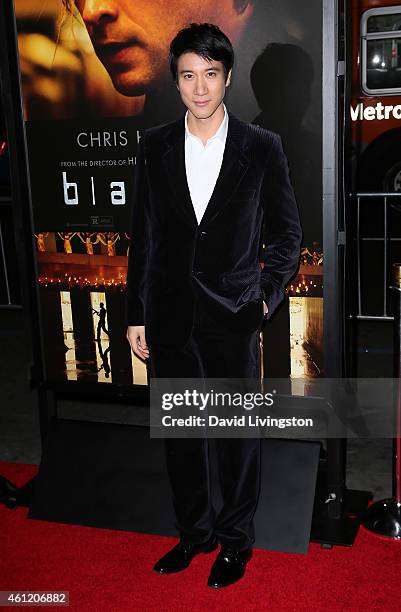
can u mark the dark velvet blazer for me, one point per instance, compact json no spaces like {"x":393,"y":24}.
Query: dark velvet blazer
{"x":174,"y":261}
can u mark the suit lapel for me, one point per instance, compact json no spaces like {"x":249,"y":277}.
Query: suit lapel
{"x":234,"y":165}
{"x":174,"y":163}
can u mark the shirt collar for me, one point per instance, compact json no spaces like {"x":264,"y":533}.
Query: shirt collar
{"x":221,"y":132}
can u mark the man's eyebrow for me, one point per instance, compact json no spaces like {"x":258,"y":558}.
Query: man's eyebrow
{"x":217,"y":68}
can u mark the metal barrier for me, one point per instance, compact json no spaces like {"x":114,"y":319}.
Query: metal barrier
{"x":384,"y":516}
{"x":384,"y":197}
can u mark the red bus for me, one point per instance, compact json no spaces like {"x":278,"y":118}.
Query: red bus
{"x":376,"y":95}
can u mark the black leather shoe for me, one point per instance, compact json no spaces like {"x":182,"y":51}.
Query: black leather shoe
{"x":229,"y":567}
{"x":179,"y":557}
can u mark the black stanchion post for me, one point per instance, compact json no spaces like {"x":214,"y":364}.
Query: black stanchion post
{"x":10,"y":85}
{"x":384,"y":516}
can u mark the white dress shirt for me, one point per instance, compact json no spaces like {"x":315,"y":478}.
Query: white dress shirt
{"x":203,"y":163}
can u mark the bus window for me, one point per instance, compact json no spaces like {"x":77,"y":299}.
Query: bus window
{"x":381,"y":50}
{"x":384,"y":23}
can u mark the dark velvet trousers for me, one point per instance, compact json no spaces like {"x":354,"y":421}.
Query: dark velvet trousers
{"x":212,"y":352}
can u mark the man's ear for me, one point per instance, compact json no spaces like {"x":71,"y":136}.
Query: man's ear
{"x":228,"y":80}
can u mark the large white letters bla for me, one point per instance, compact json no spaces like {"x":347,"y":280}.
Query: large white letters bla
{"x":71,"y":193}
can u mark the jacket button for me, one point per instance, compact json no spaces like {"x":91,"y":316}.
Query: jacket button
{"x":203,"y":233}
{"x":198,"y":272}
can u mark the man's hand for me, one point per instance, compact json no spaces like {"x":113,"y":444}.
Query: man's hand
{"x":137,"y":340}
{"x":265,"y":308}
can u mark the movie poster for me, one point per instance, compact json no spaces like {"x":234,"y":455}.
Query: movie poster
{"x":94,"y":74}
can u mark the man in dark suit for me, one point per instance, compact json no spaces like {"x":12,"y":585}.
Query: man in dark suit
{"x":204,"y":186}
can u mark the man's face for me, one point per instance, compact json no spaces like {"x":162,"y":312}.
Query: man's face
{"x":132,"y":37}
{"x":201,"y":83}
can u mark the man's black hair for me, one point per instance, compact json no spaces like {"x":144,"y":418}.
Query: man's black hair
{"x":204,"y":39}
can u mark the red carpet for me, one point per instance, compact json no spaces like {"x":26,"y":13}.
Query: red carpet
{"x":108,"y":570}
